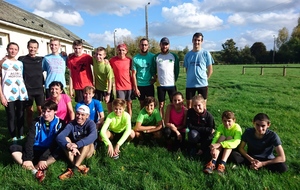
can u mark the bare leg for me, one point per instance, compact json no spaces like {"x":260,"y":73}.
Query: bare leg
{"x":141,"y":104}
{"x":109,"y":107}
{"x":129,"y":107}
{"x":85,"y":152}
{"x":17,"y":156}
{"x":161,"y":109}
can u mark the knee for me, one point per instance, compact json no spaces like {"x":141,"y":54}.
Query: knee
{"x":229,"y":138}
{"x":193,"y":136}
{"x":167,"y":132}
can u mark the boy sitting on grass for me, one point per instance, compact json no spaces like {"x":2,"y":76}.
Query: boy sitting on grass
{"x":41,"y":148}
{"x":227,"y":137}
{"x":261,"y":143}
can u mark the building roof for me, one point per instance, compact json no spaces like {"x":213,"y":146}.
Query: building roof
{"x":15,"y":15}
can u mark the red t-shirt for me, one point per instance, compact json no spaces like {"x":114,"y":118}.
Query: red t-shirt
{"x":81,"y":72}
{"x":121,"y":68}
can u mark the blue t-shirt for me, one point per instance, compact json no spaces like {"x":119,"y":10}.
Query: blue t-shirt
{"x":196,"y":64}
{"x":142,"y":64}
{"x":55,"y":66}
{"x":95,"y":108}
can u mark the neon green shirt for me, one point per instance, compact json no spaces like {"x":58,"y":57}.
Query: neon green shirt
{"x":116,"y":124}
{"x":235,"y":132}
{"x":102,"y":73}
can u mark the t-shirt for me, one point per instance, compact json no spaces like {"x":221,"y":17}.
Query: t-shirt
{"x":33,"y":74}
{"x":177,"y":118}
{"x":81,"y":72}
{"x":62,"y":108}
{"x":55,"y":66}
{"x":95,"y":108}
{"x":149,"y":120}
{"x":116,"y":124}
{"x":196,"y":64}
{"x":235,"y":132}
{"x":261,"y":148}
{"x":13,"y":87}
{"x":102,"y":73}
{"x":142,"y":65}
{"x":121,"y":68}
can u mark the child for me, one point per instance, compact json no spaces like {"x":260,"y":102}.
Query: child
{"x":96,"y":110}
{"x":175,"y":121}
{"x":117,"y":126}
{"x":103,"y":76}
{"x":13,"y":92}
{"x":261,"y":143}
{"x":201,"y":125}
{"x":227,"y":137}
{"x":149,"y":120}
{"x":41,"y":148}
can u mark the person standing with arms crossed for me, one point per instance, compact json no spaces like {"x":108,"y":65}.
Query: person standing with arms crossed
{"x":142,"y":78}
{"x":81,"y":75}
{"x":198,"y":63}
{"x":165,"y":68}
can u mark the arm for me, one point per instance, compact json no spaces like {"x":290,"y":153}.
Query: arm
{"x":3,"y":99}
{"x":176,"y":67}
{"x":103,"y":133}
{"x":209,"y":71}
{"x":70,"y":111}
{"x":234,"y":142}
{"x":71,"y":84}
{"x":242,"y":150}
{"x":136,"y":90}
{"x":167,"y":120}
{"x":109,"y":82}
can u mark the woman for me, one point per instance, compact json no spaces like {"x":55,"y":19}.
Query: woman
{"x":65,"y":109}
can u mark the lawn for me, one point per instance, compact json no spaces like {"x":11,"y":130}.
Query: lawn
{"x":153,"y":167}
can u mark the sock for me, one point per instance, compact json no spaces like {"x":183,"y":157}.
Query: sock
{"x":214,"y":162}
{"x":34,"y":171}
{"x":222,"y":162}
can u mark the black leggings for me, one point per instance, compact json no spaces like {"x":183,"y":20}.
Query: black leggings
{"x":15,"y":111}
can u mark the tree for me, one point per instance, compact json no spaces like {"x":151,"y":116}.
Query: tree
{"x":283,"y":35}
{"x":230,"y":53}
{"x":259,"y":51}
{"x":245,"y":56}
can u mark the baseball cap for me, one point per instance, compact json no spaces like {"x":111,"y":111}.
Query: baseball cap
{"x":83,"y":109}
{"x":164,"y":40}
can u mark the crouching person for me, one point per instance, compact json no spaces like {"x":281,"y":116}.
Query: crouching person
{"x":77,"y":140}
{"x":40,"y":149}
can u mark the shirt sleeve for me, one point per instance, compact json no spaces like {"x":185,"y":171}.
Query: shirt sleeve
{"x":104,"y":129}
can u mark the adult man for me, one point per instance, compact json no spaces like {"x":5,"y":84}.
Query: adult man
{"x":41,"y":148}
{"x":166,"y":68}
{"x":121,"y":65}
{"x":142,"y":78}
{"x":198,"y":63}
{"x":79,"y":65}
{"x":34,"y":79}
{"x":55,"y":65}
{"x":77,"y":139}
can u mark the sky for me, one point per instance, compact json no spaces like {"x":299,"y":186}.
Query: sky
{"x":244,"y":21}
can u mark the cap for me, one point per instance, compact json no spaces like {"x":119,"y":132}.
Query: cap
{"x":122,"y":46}
{"x":83,"y":109}
{"x":164,"y":40}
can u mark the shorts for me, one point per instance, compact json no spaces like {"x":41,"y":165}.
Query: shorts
{"x":116,"y":136}
{"x":78,"y":95}
{"x":99,"y":95}
{"x":190,"y":92}
{"x":161,"y":92}
{"x":146,"y":91}
{"x":124,"y":94}
{"x":39,"y":99}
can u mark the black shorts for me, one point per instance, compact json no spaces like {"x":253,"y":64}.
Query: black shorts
{"x":78,"y":95}
{"x":161,"y":92}
{"x":146,"y":91}
{"x":39,"y":99}
{"x":99,"y":95}
{"x":116,"y":136}
{"x":190,"y":92}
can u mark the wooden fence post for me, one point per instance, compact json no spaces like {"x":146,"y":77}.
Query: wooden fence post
{"x":262,"y":70}
{"x":284,"y":71}
{"x":243,"y":72}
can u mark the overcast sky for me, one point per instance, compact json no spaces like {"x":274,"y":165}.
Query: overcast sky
{"x":245,"y":21}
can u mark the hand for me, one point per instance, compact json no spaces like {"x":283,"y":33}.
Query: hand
{"x":179,"y":136}
{"x":75,"y":152}
{"x":117,"y":149}
{"x":71,"y":146}
{"x":256,"y":164}
{"x":106,"y":98}
{"x":4,"y":101}
{"x":213,"y":152}
{"x":212,"y":131}
{"x":42,"y":165}
{"x":137,"y":92}
{"x":215,"y":146}
{"x":110,"y":150}
{"x":28,"y":165}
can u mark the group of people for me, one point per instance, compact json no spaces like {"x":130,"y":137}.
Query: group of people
{"x":59,"y":129}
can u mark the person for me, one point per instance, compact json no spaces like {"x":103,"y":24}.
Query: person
{"x":54,"y":65}
{"x":198,"y":63}
{"x":41,"y":149}
{"x":141,"y":75}
{"x":165,"y":68}
{"x":65,"y":108}
{"x":34,"y":80}
{"x":201,"y":126}
{"x":175,"y":119}
{"x":121,"y":65}
{"x":96,"y":110}
{"x":77,"y":141}
{"x":227,"y":137}
{"x":103,"y":77}
{"x":80,"y":67}
{"x":261,"y":142}
{"x":13,"y":92}
{"x":117,"y":127}
{"x":149,"y":121}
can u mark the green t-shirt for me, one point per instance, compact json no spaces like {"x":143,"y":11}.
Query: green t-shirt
{"x":149,"y":120}
{"x":142,"y":65}
{"x":102,"y":73}
{"x":235,"y":132}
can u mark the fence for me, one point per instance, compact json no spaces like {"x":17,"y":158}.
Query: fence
{"x":273,"y":67}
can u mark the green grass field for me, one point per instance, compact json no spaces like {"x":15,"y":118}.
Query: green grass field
{"x":146,"y":167}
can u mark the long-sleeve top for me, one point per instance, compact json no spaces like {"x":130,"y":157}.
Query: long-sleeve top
{"x":235,"y":132}
{"x":41,"y":136}
{"x":81,"y":135}
{"x":116,"y":124}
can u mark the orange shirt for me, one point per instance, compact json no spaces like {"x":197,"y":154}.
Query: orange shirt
{"x":121,"y":68}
